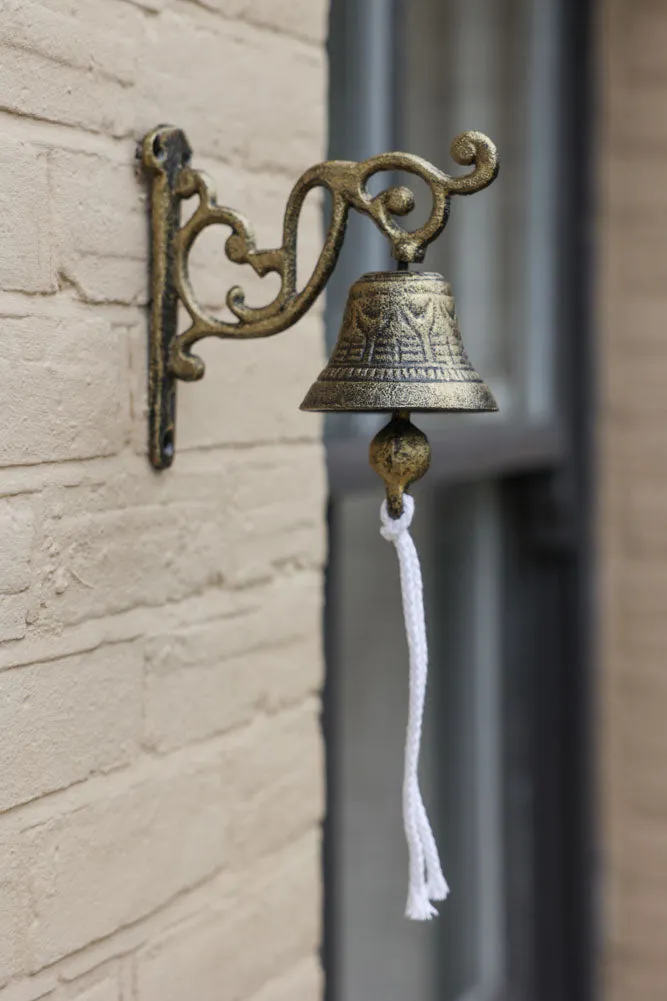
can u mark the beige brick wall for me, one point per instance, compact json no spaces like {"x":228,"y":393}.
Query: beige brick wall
{"x":160,"y":652}
{"x":632,"y":244}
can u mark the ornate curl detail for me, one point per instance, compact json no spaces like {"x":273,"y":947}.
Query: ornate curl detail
{"x":166,"y":156}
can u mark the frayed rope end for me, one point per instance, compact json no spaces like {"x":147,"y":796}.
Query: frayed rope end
{"x":437,"y":889}
{"x":419,"y":908}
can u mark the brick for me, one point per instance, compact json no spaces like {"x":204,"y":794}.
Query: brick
{"x":83,"y":61}
{"x":283,"y":129}
{"x":280,"y":527}
{"x":13,"y":612}
{"x":128,"y":94}
{"x":178,"y":543}
{"x":206,"y":679}
{"x":15,"y":913}
{"x":285,"y":611}
{"x":62,"y":395}
{"x":105,"y":989}
{"x":160,"y":796}
{"x":640,"y":885}
{"x":639,"y":259}
{"x":641,"y":750}
{"x":100,"y":221}
{"x":153,"y":6}
{"x":304,"y":982}
{"x":646,"y":41}
{"x":144,"y":555}
{"x":121,"y":559}
{"x":633,"y":567}
{"x":630,"y":976}
{"x":639,"y":588}
{"x":274,"y":777}
{"x":24,"y":200}
{"x":634,"y":186}
{"x":114,"y":861}
{"x":16,"y":538}
{"x":245,"y":941}
{"x":646,"y":520}
{"x":64,"y":720}
{"x":16,"y":543}
{"x":641,"y":120}
{"x":636,"y":390}
{"x":640,"y":313}
{"x":70,"y":33}
{"x":301,"y":18}
{"x":222,"y":409}
{"x":636,"y":452}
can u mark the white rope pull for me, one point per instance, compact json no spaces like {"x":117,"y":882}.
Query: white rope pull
{"x":427,"y":882}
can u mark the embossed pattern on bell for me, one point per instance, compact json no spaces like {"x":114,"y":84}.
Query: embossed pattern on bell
{"x":399,"y":347}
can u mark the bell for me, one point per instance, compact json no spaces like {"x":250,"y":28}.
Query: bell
{"x":399,"y":348}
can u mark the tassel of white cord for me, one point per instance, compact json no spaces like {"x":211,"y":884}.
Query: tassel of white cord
{"x":426,"y":881}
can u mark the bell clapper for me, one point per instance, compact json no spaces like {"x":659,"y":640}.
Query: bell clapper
{"x":400,"y":453}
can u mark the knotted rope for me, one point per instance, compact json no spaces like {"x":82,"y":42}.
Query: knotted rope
{"x":426,"y":881}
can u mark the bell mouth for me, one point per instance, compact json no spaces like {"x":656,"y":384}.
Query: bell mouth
{"x":327,"y":396}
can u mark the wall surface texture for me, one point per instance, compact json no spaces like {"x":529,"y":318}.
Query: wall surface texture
{"x":632,"y":247}
{"x":160,"y":662}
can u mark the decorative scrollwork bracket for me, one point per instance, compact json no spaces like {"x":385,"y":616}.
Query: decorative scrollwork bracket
{"x":165,"y":155}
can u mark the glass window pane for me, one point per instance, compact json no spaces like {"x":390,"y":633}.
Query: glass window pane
{"x":378,"y":953}
{"x":451,"y":65}
{"x":493,"y":67}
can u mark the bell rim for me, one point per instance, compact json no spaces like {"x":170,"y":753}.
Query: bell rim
{"x":465,"y":396}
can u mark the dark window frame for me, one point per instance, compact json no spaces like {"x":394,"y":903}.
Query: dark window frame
{"x":546,"y":475}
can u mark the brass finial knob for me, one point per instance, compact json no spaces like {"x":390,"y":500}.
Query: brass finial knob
{"x":400,"y":453}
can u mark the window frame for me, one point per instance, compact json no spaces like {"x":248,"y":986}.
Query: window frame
{"x":545,"y":473}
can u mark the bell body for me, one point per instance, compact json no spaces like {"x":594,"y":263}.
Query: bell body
{"x":399,"y":348}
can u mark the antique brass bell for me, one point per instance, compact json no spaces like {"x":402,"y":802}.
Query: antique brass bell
{"x":399,"y":349}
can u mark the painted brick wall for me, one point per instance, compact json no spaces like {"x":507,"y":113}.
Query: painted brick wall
{"x":632,"y":242}
{"x":160,"y":651}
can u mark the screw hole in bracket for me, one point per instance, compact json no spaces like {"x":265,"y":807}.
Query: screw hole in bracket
{"x":168,"y":446}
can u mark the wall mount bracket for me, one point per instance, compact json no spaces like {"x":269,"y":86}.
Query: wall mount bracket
{"x":166,"y":158}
